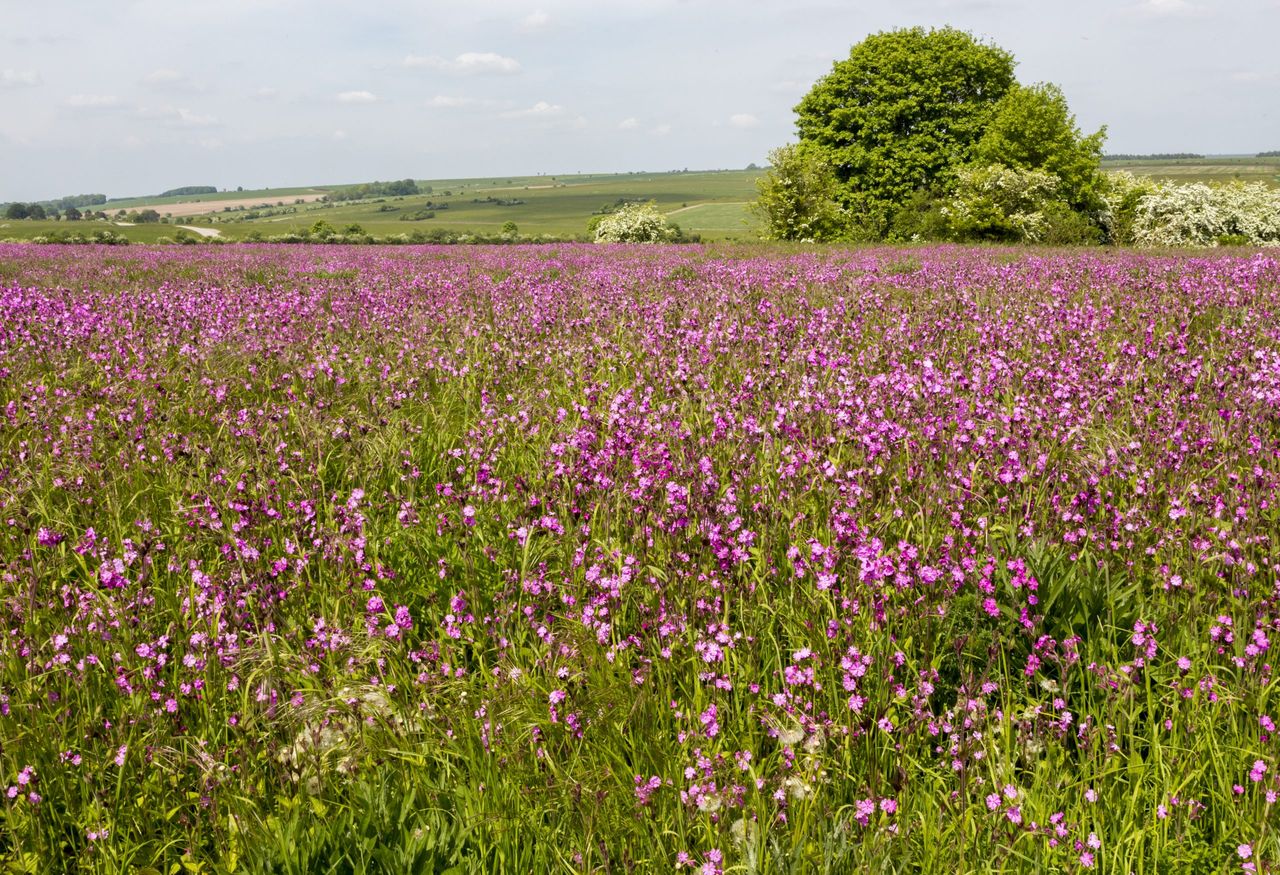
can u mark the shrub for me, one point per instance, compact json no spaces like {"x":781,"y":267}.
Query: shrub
{"x":636,"y":223}
{"x":1121,"y":195}
{"x":994,"y":202}
{"x":798,"y":197}
{"x":1202,"y":215}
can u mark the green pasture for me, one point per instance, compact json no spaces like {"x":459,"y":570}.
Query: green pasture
{"x":28,"y":229}
{"x":1215,"y":168}
{"x":710,"y":203}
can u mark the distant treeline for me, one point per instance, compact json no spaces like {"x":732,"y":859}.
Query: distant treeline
{"x":1275,"y":153}
{"x":397,"y":188}
{"x":48,"y":210}
{"x":190,"y":189}
{"x":59,"y":205}
{"x":1155,"y":156}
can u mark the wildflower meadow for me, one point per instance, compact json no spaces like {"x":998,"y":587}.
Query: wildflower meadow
{"x":622,"y":559}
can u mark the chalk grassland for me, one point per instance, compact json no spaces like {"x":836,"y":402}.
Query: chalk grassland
{"x":560,"y":206}
{"x":185,"y":208}
{"x":713,"y":204}
{"x":214,"y":199}
{"x":582,"y":559}
{"x":1210,"y":169}
{"x":26,"y":229}
{"x":538,"y":205}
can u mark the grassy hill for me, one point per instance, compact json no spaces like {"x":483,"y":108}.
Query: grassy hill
{"x":1211,"y":168}
{"x":713,"y":204}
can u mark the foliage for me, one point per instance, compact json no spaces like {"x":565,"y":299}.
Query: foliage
{"x":397,"y":188}
{"x":1122,"y":193}
{"x":636,"y":223}
{"x":995,"y":202}
{"x":798,"y":197}
{"x":923,"y":217}
{"x":1033,"y":129}
{"x":902,"y":113}
{"x":189,"y":189}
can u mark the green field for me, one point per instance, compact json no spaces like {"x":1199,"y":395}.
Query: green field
{"x":1214,"y":168}
{"x":27,"y":229}
{"x":712,"y":204}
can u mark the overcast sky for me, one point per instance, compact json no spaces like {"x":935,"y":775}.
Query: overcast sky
{"x":135,"y":96}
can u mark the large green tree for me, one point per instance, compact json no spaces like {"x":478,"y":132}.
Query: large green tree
{"x":901,"y":114}
{"x":1033,"y":129}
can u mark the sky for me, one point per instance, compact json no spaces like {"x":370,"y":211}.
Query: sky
{"x":131,"y":97}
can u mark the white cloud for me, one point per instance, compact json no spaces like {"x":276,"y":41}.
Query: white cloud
{"x":356,"y":97}
{"x":17,"y":78}
{"x":178,"y":117}
{"x":265,"y":93}
{"x":93,"y":101}
{"x":536,"y":20}
{"x":467,"y":64}
{"x":162,"y":76}
{"x":167,"y":79}
{"x":661,"y":130}
{"x":790,"y":87}
{"x":1248,"y":76}
{"x":444,"y":101}
{"x":550,"y":114}
{"x":1168,"y":8}
{"x":629,"y":124}
{"x":339,"y":134}
{"x":743,"y":120}
{"x":541,"y":109}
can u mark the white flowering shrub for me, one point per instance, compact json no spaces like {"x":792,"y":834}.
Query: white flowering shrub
{"x":1206,"y":215}
{"x":1001,"y":203}
{"x":636,"y":223}
{"x":1121,"y":195}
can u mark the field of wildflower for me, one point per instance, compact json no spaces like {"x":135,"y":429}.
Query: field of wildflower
{"x":638,"y":559}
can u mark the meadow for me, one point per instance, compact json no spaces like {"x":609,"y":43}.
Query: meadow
{"x":638,"y":559}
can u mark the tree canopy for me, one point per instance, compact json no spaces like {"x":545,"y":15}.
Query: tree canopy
{"x":902,"y":113}
{"x":1033,"y":129}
